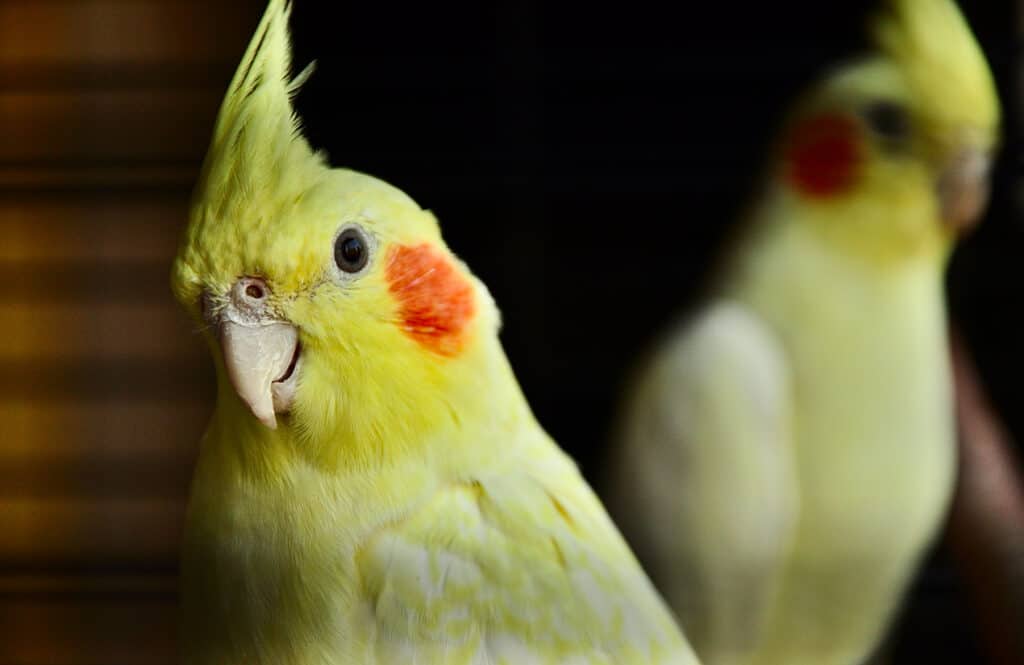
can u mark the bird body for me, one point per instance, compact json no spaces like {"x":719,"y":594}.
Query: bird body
{"x":373,"y":487}
{"x":502,"y":556}
{"x":787,"y":453}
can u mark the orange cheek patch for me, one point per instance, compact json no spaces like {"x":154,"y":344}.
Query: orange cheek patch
{"x":436,"y":302}
{"x":823,"y":157}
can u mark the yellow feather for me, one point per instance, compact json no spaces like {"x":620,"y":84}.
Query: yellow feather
{"x":787,"y":456}
{"x":933,"y":45}
{"x":408,"y":508}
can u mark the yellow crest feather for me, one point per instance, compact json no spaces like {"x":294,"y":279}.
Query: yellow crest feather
{"x":257,"y":142}
{"x":942,"y":60}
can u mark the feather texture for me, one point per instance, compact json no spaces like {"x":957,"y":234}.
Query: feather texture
{"x":407,"y":508}
{"x":787,"y":455}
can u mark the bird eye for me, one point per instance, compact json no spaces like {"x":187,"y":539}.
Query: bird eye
{"x":351,"y":251}
{"x":889,"y":120}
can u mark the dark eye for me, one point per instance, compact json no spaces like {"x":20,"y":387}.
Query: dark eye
{"x":889,"y":120}
{"x":351,"y":251}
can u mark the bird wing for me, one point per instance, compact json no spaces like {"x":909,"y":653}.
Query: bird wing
{"x":704,"y":483}
{"x":517,"y":565}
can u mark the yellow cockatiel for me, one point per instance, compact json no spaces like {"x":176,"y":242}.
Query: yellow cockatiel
{"x":787,"y":454}
{"x":373,"y":487}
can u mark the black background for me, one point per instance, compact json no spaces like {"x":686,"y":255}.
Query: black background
{"x":587,"y":160}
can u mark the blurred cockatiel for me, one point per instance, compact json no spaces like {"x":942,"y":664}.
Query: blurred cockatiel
{"x":373,"y":487}
{"x":787,"y":454}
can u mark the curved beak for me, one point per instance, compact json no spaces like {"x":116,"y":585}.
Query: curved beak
{"x":260,"y":360}
{"x":964,"y":189}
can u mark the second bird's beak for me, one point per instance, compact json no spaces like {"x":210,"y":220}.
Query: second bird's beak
{"x":964,"y":189}
{"x":260,"y":353}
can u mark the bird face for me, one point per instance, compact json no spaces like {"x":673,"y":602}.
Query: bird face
{"x":347,"y":281}
{"x":890,"y":154}
{"x":326,"y":294}
{"x":864,"y":144}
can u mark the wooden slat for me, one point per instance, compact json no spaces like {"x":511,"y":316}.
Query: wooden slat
{"x":63,"y":531}
{"x":61,"y":584}
{"x":111,"y":228}
{"x":88,"y":631}
{"x":121,"y":45}
{"x":159,"y":331}
{"x":105,"y":388}
{"x":85,"y":281}
{"x":97,"y":381}
{"x":70,"y":179}
{"x":56,"y":430}
{"x":100,"y":450}
{"x":103,"y":32}
{"x":49,"y":331}
{"x":103,"y":127}
{"x":92,"y":477}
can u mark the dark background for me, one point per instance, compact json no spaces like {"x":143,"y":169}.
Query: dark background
{"x":586,"y":161}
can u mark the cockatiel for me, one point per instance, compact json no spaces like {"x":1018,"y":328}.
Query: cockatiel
{"x":373,"y":487}
{"x":787,"y":454}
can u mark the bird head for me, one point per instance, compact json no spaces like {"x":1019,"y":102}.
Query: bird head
{"x":891,"y":153}
{"x":329,"y":297}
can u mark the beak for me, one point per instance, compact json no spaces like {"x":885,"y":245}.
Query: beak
{"x":964,"y":189}
{"x":259,"y":358}
{"x":260,"y":352}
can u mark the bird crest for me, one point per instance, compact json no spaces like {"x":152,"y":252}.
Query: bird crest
{"x":941,"y":59}
{"x":257,"y":143}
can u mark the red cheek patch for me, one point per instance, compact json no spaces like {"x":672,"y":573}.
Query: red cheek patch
{"x":822,"y":156}
{"x":435,"y":301}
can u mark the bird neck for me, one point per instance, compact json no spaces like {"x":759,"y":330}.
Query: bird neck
{"x":785,"y":264}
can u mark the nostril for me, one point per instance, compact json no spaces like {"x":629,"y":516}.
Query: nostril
{"x":255,"y":291}
{"x":250,"y":296}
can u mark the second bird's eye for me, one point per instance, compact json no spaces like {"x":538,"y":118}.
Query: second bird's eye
{"x":889,"y":120}
{"x":351,"y":251}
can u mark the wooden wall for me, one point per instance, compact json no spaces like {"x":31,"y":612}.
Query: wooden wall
{"x":105,"y":110}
